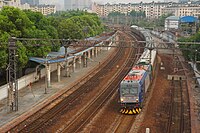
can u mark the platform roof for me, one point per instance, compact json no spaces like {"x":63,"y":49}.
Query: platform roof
{"x":55,"y":57}
{"x":48,"y":60}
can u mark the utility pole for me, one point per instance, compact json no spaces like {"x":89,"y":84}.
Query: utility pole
{"x":66,"y":44}
{"x":12,"y":78}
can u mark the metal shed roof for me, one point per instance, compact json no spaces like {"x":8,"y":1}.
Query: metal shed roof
{"x":172,"y":18}
{"x":47,"y":60}
{"x":55,"y":57}
{"x":188,"y":19}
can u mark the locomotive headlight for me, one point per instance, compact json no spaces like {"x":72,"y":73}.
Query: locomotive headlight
{"x":122,"y":99}
{"x":136,"y":100}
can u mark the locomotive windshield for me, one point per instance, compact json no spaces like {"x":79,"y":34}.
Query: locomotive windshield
{"x":129,"y":89}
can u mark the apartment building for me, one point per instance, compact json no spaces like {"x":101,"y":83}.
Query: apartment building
{"x":152,"y":9}
{"x":183,"y":11}
{"x":44,"y":9}
{"x":76,"y":4}
{"x":30,"y":2}
{"x":1,"y":3}
{"x":14,"y":3}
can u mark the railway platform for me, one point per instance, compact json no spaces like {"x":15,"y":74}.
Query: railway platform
{"x":33,"y":96}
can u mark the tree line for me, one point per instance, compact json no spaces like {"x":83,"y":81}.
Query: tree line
{"x":28,"y":24}
{"x":191,"y":51}
{"x":135,"y":18}
{"x":122,"y":18}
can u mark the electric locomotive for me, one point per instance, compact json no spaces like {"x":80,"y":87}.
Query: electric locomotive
{"x":134,"y":86}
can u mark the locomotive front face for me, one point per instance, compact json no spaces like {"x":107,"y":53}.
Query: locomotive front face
{"x":129,"y":97}
{"x":129,"y":92}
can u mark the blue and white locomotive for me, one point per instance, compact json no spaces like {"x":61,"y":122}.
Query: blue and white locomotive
{"x":135,"y":84}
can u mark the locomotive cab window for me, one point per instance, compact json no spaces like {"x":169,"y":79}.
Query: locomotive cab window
{"x":129,"y":89}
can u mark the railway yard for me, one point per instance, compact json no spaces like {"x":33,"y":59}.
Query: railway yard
{"x":91,"y":105}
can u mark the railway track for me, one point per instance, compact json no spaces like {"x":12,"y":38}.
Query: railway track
{"x":121,"y":123}
{"x":124,"y":124}
{"x":44,"y":117}
{"x":40,"y":122}
{"x":87,"y":114}
{"x":175,"y":123}
{"x":179,"y":115}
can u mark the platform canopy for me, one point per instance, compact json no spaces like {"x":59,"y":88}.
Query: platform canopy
{"x":53,"y":57}
{"x":56,"y":57}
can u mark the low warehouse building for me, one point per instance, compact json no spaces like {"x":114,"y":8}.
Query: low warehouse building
{"x":172,"y":22}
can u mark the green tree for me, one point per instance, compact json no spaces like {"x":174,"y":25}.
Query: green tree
{"x":17,"y":21}
{"x":70,"y":30}
{"x":75,"y":27}
{"x":43,"y":23}
{"x":137,"y":14}
{"x":114,"y":14}
{"x":22,"y":55}
{"x":13,"y":23}
{"x":191,"y":52}
{"x":27,"y":24}
{"x":3,"y":49}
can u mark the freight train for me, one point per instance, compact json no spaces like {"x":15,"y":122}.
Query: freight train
{"x":133,"y":87}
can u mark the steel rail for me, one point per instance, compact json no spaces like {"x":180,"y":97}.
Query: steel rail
{"x":54,"y":112}
{"x":90,"y":111}
{"x":27,"y":126}
{"x":171,"y":107}
{"x":74,"y":95}
{"x":177,"y":121}
{"x":38,"y":124}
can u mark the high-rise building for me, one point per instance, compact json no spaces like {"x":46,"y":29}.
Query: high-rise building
{"x":14,"y":3}
{"x":76,"y":4}
{"x":44,"y":9}
{"x":31,"y":2}
{"x":58,"y":3}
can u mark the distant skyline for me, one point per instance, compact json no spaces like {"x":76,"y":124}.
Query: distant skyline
{"x":60,"y":3}
{"x":124,"y":1}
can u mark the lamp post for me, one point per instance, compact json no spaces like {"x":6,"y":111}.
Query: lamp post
{"x":195,"y":56}
{"x":45,"y":88}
